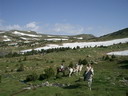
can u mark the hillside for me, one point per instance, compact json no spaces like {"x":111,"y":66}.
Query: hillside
{"x":22,"y":36}
{"x":19,"y":36}
{"x":83,"y":36}
{"x":115,"y":35}
{"x":25,"y":74}
{"x":15,"y":36}
{"x":110,"y":77}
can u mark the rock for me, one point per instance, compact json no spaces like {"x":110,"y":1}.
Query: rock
{"x":27,"y":88}
{"x":124,"y":81}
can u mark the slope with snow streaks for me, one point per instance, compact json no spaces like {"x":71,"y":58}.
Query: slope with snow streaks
{"x":82,"y":44}
{"x":6,"y":38}
{"x":25,"y":34}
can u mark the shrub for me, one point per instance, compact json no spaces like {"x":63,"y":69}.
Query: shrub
{"x":59,"y":76}
{"x":32,"y":77}
{"x":0,"y":78}
{"x":106,"y":57}
{"x":19,"y":60}
{"x":12,"y":70}
{"x":80,"y":61}
{"x":21,"y":68}
{"x":71,"y":65}
{"x":49,"y":72}
{"x":25,"y":58}
{"x":84,"y":62}
{"x":63,"y":61}
{"x":51,"y":61}
{"x":42,"y":76}
{"x":78,"y":47}
{"x":74,"y":48}
{"x":59,"y":94}
{"x":113,"y":56}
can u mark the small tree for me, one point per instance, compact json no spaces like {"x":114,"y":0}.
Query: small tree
{"x":21,"y":68}
{"x":78,"y":47}
{"x":71,"y":65}
{"x":113,"y":56}
{"x":106,"y":57}
{"x":79,"y":61}
{"x":84,"y":62}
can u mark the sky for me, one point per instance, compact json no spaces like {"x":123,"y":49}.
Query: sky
{"x":64,"y":17}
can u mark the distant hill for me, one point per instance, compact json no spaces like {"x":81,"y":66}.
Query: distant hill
{"x":83,"y":36}
{"x":16,"y":36}
{"x":23,"y":36}
{"x":115,"y":35}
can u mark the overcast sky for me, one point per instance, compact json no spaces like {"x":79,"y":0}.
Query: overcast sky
{"x":64,"y":17}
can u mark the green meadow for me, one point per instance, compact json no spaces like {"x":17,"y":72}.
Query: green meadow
{"x":110,"y":75}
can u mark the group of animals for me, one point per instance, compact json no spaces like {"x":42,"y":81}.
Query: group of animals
{"x":75,"y":69}
{"x":88,"y":74}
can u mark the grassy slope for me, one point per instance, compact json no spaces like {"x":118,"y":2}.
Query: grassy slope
{"x":106,"y":78}
{"x":115,"y":35}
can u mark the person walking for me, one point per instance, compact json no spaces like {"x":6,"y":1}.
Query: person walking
{"x":88,"y":75}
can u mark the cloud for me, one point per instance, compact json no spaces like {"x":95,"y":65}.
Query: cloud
{"x":89,"y":28}
{"x":63,"y":29}
{"x":32,"y":26}
{"x":56,"y":29}
{"x":1,"y":22}
{"x":10,"y":27}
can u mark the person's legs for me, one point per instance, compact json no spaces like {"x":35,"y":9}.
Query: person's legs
{"x":89,"y":83}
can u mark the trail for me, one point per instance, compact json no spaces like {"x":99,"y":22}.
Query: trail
{"x":21,"y":91}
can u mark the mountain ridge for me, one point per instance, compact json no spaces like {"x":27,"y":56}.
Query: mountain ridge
{"x":20,"y":35}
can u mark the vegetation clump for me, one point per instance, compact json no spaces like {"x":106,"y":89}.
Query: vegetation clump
{"x":48,"y":73}
{"x":32,"y":77}
{"x":0,"y":78}
{"x":21,"y":68}
{"x":109,"y":58}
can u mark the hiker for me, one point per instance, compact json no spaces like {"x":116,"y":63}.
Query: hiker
{"x":62,"y":67}
{"x":88,"y":75}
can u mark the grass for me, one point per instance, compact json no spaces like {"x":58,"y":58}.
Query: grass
{"x":106,"y":80}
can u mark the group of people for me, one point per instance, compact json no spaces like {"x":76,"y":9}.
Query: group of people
{"x":88,"y":74}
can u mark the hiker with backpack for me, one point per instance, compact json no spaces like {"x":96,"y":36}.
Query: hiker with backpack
{"x":88,"y":75}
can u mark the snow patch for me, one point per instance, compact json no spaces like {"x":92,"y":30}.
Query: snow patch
{"x":122,"y":53}
{"x":24,"y":38}
{"x":24,"y":51}
{"x":22,"y":34}
{"x":55,"y":39}
{"x":82,"y":44}
{"x":6,"y":38}
{"x":50,"y":36}
{"x":80,"y":38}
